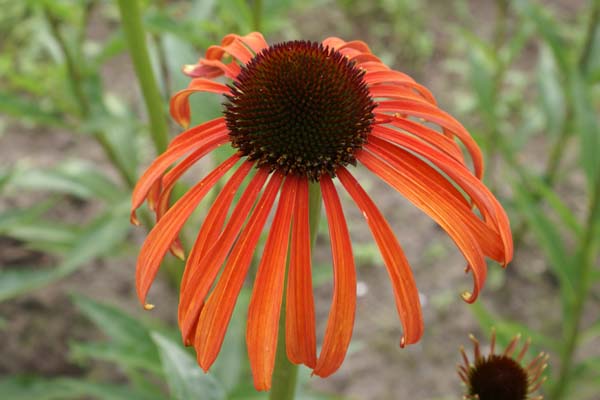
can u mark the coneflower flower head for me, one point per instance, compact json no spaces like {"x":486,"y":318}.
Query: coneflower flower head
{"x":300,"y":112}
{"x":502,"y":376}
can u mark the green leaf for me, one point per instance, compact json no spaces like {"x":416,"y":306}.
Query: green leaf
{"x":586,"y":123}
{"x":74,"y":177}
{"x":549,"y":239}
{"x":548,"y":28}
{"x":98,"y":239}
{"x":45,"y":236}
{"x":16,"y":217}
{"x":551,"y":94}
{"x":184,"y":377}
{"x":130,"y":342}
{"x":507,"y":329}
{"x":30,"y":387}
{"x":31,"y":111}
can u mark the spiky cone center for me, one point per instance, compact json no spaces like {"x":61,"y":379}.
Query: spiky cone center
{"x":498,"y":377}
{"x":300,"y":108}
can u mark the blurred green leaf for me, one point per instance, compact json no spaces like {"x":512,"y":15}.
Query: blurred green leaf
{"x":98,"y":239}
{"x":46,"y":236}
{"x":566,"y":215}
{"x":185,"y":378}
{"x":74,"y":177}
{"x":551,"y":94}
{"x":16,"y":217}
{"x":548,"y":28}
{"x":549,"y":239}
{"x":586,"y":123}
{"x":29,"y":387}
{"x":26,"y":110}
{"x":130,"y":342}
{"x":507,"y":329}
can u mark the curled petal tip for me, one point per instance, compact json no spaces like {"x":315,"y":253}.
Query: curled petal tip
{"x":178,"y":251}
{"x":468,"y":297}
{"x":134,"y":219}
{"x":188,"y":68}
{"x":148,"y":306}
{"x":403,"y":342}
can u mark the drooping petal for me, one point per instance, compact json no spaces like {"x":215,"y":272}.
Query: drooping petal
{"x":170,"y":178}
{"x":164,"y":233}
{"x":210,"y":231}
{"x":190,"y":140}
{"x":445,"y":120}
{"x":428,"y":135}
{"x":482,"y":197}
{"x":265,"y":303}
{"x":300,"y":337}
{"x":405,"y":290}
{"x":395,"y":90}
{"x":203,"y":271}
{"x":180,"y":105}
{"x":372,"y":77}
{"x":449,"y":214}
{"x":217,"y":311}
{"x":341,"y":317}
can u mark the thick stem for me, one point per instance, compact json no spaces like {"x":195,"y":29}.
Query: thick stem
{"x":75,"y":79}
{"x":285,"y":374}
{"x":586,"y":260}
{"x":257,"y":15}
{"x":136,"y":41}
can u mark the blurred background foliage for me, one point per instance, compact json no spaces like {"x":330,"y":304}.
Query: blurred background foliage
{"x":523,"y":76}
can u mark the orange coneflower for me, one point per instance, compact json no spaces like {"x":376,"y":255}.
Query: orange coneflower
{"x":502,"y":376}
{"x":300,"y":112}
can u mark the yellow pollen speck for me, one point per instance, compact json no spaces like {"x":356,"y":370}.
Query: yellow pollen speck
{"x":148,"y":306}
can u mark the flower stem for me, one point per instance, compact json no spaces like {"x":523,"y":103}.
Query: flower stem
{"x":257,"y":15}
{"x":136,"y":41}
{"x":285,"y":374}
{"x":586,"y":261}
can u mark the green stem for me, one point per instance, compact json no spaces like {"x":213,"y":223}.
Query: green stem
{"x":586,"y":261}
{"x":75,"y":79}
{"x":558,"y":148}
{"x":285,"y":374}
{"x":136,"y":40}
{"x":257,"y":15}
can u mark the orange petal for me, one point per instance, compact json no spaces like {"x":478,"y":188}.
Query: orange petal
{"x":372,"y":77}
{"x":212,"y":69}
{"x":451,"y":215}
{"x":204,"y":271}
{"x":188,"y":141}
{"x":390,"y":86}
{"x":435,"y":115}
{"x":396,"y":92}
{"x":405,"y":290}
{"x":170,"y":178}
{"x":216,"y":313}
{"x":473,"y":187}
{"x":180,"y":105}
{"x":343,"y":308}
{"x":265,"y":304}
{"x":432,"y":137}
{"x":235,"y":49}
{"x":208,"y":235}
{"x":301,"y":343}
{"x":255,"y":41}
{"x":165,"y":231}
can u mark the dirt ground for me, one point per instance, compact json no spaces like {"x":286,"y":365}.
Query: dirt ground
{"x":39,"y":326}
